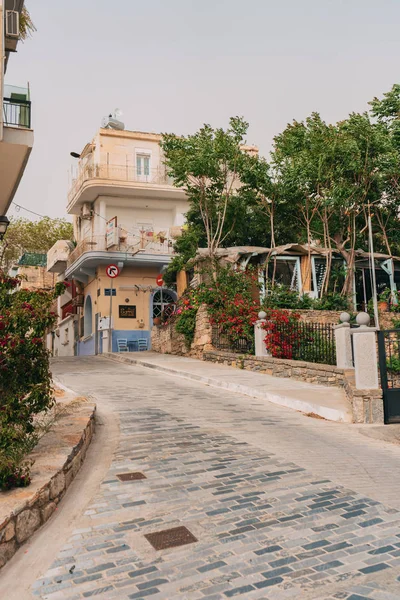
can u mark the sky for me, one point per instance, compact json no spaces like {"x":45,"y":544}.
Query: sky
{"x":172,"y":65}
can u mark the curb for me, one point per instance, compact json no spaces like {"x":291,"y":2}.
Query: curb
{"x":34,"y":510}
{"x":332,"y":414}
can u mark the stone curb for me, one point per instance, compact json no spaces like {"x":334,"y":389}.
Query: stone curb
{"x":34,"y":511}
{"x":332,"y":414}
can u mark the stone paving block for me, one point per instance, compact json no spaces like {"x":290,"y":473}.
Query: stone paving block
{"x":259,"y":519}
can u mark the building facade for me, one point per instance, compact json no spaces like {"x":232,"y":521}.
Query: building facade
{"x":16,"y":135}
{"x":127,"y":213}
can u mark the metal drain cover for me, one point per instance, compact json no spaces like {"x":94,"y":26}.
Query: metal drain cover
{"x":130,"y":476}
{"x":170,"y":538}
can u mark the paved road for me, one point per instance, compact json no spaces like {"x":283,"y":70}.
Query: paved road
{"x":281,"y":505}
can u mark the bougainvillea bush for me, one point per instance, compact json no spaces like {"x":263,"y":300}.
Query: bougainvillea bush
{"x":25,"y":381}
{"x":230,"y":303}
{"x":283,"y":337}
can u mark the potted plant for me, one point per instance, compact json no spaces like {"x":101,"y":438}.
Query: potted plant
{"x":384,"y":298}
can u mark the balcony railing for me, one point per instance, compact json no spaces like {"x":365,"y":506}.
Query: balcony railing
{"x":123,"y":173}
{"x":130,"y":244}
{"x":17,"y":113}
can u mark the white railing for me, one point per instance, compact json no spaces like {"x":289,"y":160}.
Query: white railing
{"x":142,"y":243}
{"x":121,"y":173}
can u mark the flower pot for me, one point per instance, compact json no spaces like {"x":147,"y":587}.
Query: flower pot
{"x":383,"y":306}
{"x":157,"y":321}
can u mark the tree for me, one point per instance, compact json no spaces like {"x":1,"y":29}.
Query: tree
{"x":32,"y":236}
{"x":212,"y":166}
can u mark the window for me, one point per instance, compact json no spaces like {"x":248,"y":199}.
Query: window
{"x":107,"y":292}
{"x":285,"y":271}
{"x":161,"y":299}
{"x":143,"y":165}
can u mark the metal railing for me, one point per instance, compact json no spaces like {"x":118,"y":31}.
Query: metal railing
{"x":17,"y":113}
{"x":123,"y":173}
{"x":129,"y":244}
{"x":310,"y":342}
{"x":222,"y":340}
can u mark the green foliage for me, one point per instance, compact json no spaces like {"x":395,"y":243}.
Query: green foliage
{"x":229,"y":299}
{"x":186,"y":324}
{"x":32,"y":236}
{"x":332,"y":301}
{"x":281,"y":296}
{"x":25,"y":382}
{"x":219,"y":179}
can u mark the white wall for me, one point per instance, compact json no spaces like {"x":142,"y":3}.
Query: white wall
{"x":64,"y":337}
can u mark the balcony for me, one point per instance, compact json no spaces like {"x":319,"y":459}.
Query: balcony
{"x":16,"y":141}
{"x":17,"y":113}
{"x":132,"y":245}
{"x":136,"y":251}
{"x":102,"y":179}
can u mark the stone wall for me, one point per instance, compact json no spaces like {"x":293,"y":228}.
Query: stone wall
{"x":166,"y":340}
{"x":31,"y":510}
{"x":279,"y":367}
{"x":319,"y":316}
{"x":367,"y":405}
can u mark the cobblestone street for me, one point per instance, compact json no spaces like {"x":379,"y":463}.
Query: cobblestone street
{"x":280,"y":505}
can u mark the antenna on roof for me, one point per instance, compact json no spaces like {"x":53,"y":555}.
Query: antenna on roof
{"x":112,"y":121}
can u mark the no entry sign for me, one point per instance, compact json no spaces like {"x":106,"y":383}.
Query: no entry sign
{"x":112,"y":271}
{"x":159,"y":281}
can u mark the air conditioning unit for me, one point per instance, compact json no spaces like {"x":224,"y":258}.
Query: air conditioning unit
{"x":12,"y":23}
{"x":86,"y":211}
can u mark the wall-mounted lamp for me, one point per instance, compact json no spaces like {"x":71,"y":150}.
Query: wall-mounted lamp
{"x":4,"y":223}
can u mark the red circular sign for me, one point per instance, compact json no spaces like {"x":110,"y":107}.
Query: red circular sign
{"x":112,"y":271}
{"x":159,"y":281}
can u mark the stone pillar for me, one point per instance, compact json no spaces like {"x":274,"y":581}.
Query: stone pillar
{"x":259,"y":335}
{"x":365,"y":354}
{"x":344,"y":353}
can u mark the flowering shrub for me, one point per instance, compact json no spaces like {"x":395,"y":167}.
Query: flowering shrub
{"x":283,"y":336}
{"x":25,"y":382}
{"x":230,"y":305}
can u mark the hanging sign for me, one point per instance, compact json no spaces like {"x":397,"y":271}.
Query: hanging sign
{"x":111,"y":233}
{"x":159,"y":281}
{"x":112,"y":271}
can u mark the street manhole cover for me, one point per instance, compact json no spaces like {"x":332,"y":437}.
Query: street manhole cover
{"x":170,"y":538}
{"x":131,"y":476}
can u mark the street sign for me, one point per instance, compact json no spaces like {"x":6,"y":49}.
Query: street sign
{"x":112,"y":271}
{"x":159,"y":281}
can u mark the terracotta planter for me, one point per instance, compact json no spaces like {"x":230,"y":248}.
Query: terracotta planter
{"x":157,"y":321}
{"x":383,"y":306}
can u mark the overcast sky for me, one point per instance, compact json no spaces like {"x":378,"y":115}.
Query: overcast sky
{"x":171,"y":65}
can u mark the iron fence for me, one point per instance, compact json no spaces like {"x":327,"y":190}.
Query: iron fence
{"x":17,"y":113}
{"x":222,"y":340}
{"x":311,"y":342}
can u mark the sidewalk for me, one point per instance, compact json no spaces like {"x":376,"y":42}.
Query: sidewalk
{"x":327,"y":402}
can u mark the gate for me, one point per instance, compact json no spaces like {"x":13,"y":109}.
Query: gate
{"x":389,"y":366}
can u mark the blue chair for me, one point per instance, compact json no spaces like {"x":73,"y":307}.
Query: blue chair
{"x":142,"y":344}
{"x":122,"y":345}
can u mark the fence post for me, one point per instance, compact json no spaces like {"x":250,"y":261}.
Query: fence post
{"x":365,"y":354}
{"x":344,"y":353}
{"x":259,"y":335}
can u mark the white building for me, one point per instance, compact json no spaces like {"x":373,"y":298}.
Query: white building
{"x":126,"y":212}
{"x":16,"y":135}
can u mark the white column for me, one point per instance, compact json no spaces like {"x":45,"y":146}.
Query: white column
{"x":259,"y":336}
{"x":365,"y":354}
{"x":344,"y":353}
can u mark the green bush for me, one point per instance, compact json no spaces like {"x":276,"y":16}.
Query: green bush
{"x":282,"y":296}
{"x":25,"y":381}
{"x":332,"y":301}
